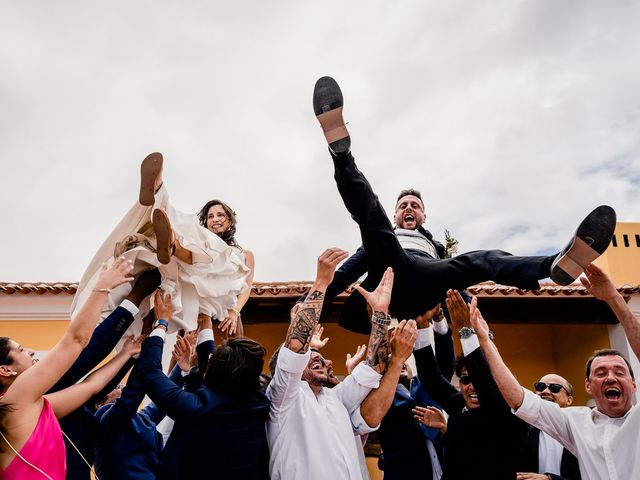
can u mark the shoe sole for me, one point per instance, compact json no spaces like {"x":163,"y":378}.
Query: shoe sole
{"x":162,"y":228}
{"x":327,"y":105}
{"x":149,"y":171}
{"x":590,"y":241}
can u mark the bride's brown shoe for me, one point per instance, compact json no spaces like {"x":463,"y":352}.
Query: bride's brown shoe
{"x":165,"y":242}
{"x":150,"y":178}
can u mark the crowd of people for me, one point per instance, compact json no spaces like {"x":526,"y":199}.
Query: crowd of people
{"x":217,"y":413}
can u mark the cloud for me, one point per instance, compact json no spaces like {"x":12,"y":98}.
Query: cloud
{"x":514,"y":119}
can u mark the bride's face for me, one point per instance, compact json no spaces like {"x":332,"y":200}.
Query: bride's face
{"x":217,"y":220}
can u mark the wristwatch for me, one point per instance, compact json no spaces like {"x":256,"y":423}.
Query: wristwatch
{"x":162,"y":322}
{"x":466,"y":332}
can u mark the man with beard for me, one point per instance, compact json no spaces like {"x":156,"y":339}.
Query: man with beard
{"x":421,"y":277}
{"x":309,"y":429}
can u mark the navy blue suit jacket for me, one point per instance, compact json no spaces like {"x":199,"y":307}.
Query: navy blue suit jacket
{"x":212,"y":433}
{"x":129,"y":446}
{"x":80,"y":425}
{"x":405,"y":454}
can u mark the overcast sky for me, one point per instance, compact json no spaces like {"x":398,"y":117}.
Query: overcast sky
{"x":514,"y":118}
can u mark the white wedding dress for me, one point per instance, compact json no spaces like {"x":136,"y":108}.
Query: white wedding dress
{"x":210,"y":285}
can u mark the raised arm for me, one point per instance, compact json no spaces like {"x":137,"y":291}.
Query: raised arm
{"x":168,"y":396}
{"x":305,"y":315}
{"x":37,"y":380}
{"x":509,"y":387}
{"x":484,"y":385}
{"x":600,"y":286}
{"x":376,"y":405}
{"x":366,"y":376}
{"x":433,"y":381}
{"x":378,"y":348}
{"x":71,"y":398}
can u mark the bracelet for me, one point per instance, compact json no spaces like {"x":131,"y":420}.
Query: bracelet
{"x":161,"y":322}
{"x":382,"y":319}
{"x":236,"y":311}
{"x":102,"y":290}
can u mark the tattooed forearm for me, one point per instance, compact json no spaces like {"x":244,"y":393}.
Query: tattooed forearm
{"x":304,"y":318}
{"x":378,"y":349}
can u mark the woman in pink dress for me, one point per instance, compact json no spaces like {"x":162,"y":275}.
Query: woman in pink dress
{"x":31,"y":444}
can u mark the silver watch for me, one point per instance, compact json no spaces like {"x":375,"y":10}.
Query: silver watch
{"x":466,"y":332}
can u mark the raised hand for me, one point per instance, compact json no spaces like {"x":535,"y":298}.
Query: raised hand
{"x":316,"y":339}
{"x":162,"y":305}
{"x":431,"y":417}
{"x":477,"y":322}
{"x":424,"y":320}
{"x":380,"y":298}
{"x":354,"y":360}
{"x":458,"y":310}
{"x":598,"y":283}
{"x":327,"y":263}
{"x":403,"y":339}
{"x":132,"y":345}
{"x":114,"y":276}
{"x":230,"y":324}
{"x":183,"y":352}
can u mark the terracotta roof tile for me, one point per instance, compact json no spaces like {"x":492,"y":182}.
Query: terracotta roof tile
{"x":294,"y":289}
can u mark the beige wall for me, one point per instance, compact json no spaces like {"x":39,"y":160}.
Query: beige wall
{"x":621,"y":261}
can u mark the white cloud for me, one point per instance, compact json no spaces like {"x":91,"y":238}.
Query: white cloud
{"x":513,"y":118}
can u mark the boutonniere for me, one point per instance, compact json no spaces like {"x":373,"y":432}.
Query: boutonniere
{"x":450,"y":245}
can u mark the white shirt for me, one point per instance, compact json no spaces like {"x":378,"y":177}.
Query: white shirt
{"x":414,"y":240}
{"x":549,"y":454}
{"x":607,"y":448}
{"x":312,"y":437}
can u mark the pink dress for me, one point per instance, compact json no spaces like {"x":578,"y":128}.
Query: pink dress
{"x":44,"y":449}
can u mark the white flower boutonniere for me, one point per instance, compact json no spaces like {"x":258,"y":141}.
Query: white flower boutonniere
{"x":450,"y":245}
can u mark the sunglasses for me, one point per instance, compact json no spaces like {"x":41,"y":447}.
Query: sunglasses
{"x":553,"y":387}
{"x":465,"y":379}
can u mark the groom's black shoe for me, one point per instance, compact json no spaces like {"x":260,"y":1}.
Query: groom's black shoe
{"x":589,"y":242}
{"x":327,"y":105}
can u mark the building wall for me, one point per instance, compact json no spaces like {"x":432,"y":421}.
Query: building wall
{"x":622,"y":258}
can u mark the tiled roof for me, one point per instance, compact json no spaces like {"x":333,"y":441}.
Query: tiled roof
{"x":294,"y":289}
{"x":26,"y":288}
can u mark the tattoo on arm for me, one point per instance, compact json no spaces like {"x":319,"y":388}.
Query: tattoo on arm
{"x":378,"y":349}
{"x":304,"y":319}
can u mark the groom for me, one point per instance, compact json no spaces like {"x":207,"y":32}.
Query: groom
{"x":421,"y":281}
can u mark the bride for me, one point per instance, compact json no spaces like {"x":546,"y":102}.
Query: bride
{"x":202,"y":272}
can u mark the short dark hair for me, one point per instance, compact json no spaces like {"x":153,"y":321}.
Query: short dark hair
{"x":234,"y":369}
{"x":5,"y":351}
{"x":461,"y":363}
{"x":229,"y":235}
{"x":410,"y":191}
{"x":5,"y":359}
{"x":607,"y":352}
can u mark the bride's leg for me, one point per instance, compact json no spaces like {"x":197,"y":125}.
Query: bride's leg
{"x":166,"y":242}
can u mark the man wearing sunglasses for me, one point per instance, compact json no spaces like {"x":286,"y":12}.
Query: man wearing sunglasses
{"x":483,"y":439}
{"x":605,"y":439}
{"x":546,"y":455}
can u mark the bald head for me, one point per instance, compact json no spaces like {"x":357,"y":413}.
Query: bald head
{"x":554,"y":388}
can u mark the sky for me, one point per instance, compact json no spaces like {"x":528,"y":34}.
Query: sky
{"x":514,"y":118}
